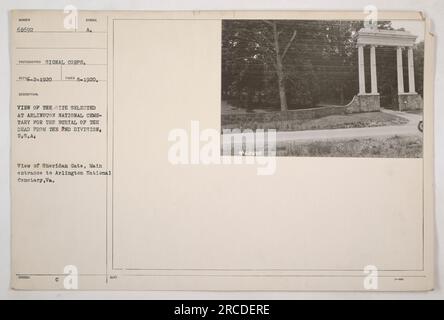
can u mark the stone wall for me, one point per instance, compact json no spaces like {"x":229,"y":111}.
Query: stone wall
{"x":360,"y":103}
{"x":301,"y":114}
{"x":364,"y":103}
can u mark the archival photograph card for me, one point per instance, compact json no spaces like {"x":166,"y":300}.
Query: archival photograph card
{"x":240,"y":151}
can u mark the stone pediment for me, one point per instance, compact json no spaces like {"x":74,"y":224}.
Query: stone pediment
{"x":371,"y":36}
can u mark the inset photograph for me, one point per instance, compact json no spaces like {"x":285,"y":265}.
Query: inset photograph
{"x":327,"y":88}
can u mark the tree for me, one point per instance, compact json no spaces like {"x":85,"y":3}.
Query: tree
{"x":308,"y":60}
{"x":419,"y":67}
{"x":279,"y":58}
{"x":262,"y":41}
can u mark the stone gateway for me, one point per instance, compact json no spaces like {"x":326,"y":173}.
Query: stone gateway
{"x":372,"y":37}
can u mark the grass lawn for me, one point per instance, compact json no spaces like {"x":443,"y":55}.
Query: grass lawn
{"x":381,"y":147}
{"x":356,"y":120}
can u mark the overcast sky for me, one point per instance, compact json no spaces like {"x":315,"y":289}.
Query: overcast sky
{"x":415,"y":27}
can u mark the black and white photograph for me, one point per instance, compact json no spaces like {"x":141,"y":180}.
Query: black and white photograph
{"x":327,"y":88}
{"x":222,"y":156}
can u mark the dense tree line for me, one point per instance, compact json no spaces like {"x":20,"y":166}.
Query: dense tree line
{"x":288,"y":64}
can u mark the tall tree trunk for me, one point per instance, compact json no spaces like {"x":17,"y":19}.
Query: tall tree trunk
{"x":281,"y":83}
{"x":280,"y":71}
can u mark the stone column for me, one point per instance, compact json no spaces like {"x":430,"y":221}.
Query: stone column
{"x":373,"y":69}
{"x":411,"y":71}
{"x":361,"y":69}
{"x":400,"y":71}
